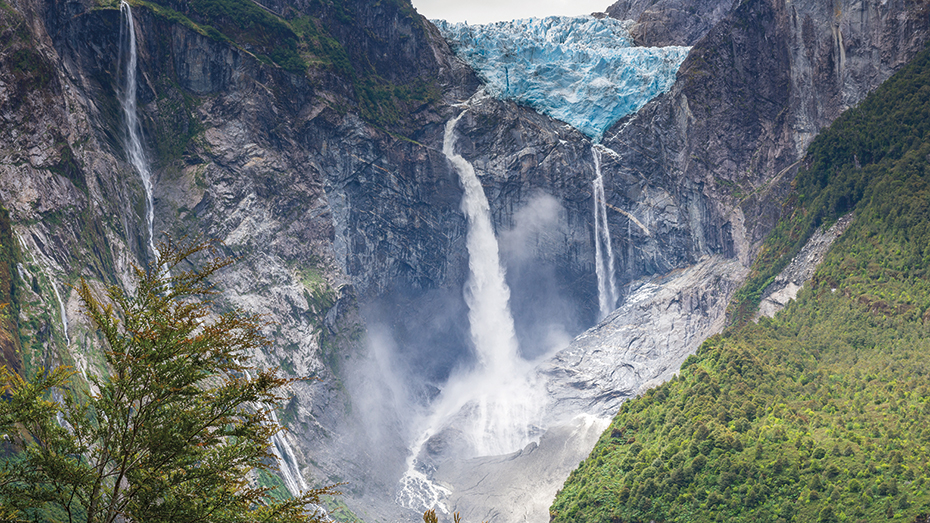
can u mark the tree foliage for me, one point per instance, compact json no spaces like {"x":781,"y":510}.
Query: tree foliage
{"x":173,"y":431}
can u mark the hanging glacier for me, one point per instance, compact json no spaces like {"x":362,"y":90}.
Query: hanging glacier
{"x":582,"y":70}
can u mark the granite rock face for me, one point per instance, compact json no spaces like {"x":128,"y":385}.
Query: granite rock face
{"x":670,"y":22}
{"x":749,"y":98}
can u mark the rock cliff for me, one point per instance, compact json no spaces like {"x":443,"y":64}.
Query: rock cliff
{"x":670,"y":22}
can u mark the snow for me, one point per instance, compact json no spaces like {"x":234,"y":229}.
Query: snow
{"x":581,"y":70}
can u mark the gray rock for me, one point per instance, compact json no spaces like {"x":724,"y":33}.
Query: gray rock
{"x":670,"y":22}
{"x":801,"y":269}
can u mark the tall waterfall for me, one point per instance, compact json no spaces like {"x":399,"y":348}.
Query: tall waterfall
{"x":132,"y":129}
{"x":495,"y":405}
{"x":607,"y":293}
{"x":506,"y":403}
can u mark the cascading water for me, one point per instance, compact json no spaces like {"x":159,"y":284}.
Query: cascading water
{"x":132,"y":130}
{"x":287,"y":463}
{"x":283,"y":452}
{"x":607,"y":293}
{"x":64,"y":313}
{"x":501,"y":422}
{"x":495,"y":405}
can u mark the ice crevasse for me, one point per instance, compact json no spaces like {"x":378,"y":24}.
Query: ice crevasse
{"x":582,"y":70}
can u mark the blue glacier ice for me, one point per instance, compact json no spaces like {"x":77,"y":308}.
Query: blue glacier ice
{"x":581,"y":70}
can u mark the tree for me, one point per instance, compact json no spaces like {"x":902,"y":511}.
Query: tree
{"x":174,"y":430}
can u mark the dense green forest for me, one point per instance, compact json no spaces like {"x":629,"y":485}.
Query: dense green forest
{"x":823,"y":413}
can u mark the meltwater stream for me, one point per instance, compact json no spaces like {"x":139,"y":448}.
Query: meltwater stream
{"x":494,"y":406}
{"x":607,"y":293}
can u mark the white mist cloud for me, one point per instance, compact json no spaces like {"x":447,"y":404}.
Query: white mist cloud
{"x":543,"y":315}
{"x":535,"y":224}
{"x":485,"y":11}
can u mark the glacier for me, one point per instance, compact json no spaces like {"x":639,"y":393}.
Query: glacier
{"x":582,"y":70}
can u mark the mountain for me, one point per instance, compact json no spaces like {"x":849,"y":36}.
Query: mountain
{"x":820,"y":413}
{"x":308,"y":136}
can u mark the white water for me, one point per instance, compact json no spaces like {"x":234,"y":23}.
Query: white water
{"x":495,"y":406}
{"x":132,"y":131}
{"x":64,"y":313}
{"x":287,"y":463}
{"x":607,"y":293}
{"x":283,"y":452}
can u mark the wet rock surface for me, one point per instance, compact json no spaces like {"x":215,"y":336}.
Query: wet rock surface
{"x":643,"y":343}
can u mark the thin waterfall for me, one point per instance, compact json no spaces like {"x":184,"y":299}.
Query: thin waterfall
{"x":132,"y":130}
{"x":290,"y":473}
{"x":607,"y":292}
{"x":495,"y":405}
{"x":64,"y":313}
{"x":287,"y":463}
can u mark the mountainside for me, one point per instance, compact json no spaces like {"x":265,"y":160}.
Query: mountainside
{"x":670,"y":22}
{"x":308,"y":136}
{"x":821,"y":413}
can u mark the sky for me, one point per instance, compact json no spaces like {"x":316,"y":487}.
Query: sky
{"x":484,"y":11}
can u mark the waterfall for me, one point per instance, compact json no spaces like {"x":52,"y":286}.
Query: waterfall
{"x":287,"y":463}
{"x":290,"y":473}
{"x":607,"y":293}
{"x":132,"y":131}
{"x":284,"y":454}
{"x":505,"y":403}
{"x":495,"y":406}
{"x":61,"y":309}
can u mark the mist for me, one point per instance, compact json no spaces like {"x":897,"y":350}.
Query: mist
{"x":545,"y":317}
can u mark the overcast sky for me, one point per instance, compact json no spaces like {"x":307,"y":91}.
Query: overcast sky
{"x":484,"y":11}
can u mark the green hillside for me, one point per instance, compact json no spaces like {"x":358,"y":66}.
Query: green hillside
{"x":822,"y":414}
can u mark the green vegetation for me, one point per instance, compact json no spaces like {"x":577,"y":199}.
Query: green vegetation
{"x":842,"y":162}
{"x":240,"y":22}
{"x":823,"y":413}
{"x":319,"y":295}
{"x":175,"y":431}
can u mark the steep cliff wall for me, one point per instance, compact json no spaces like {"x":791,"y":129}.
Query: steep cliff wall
{"x":749,"y":99}
{"x":328,"y":184}
{"x":670,"y":22}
